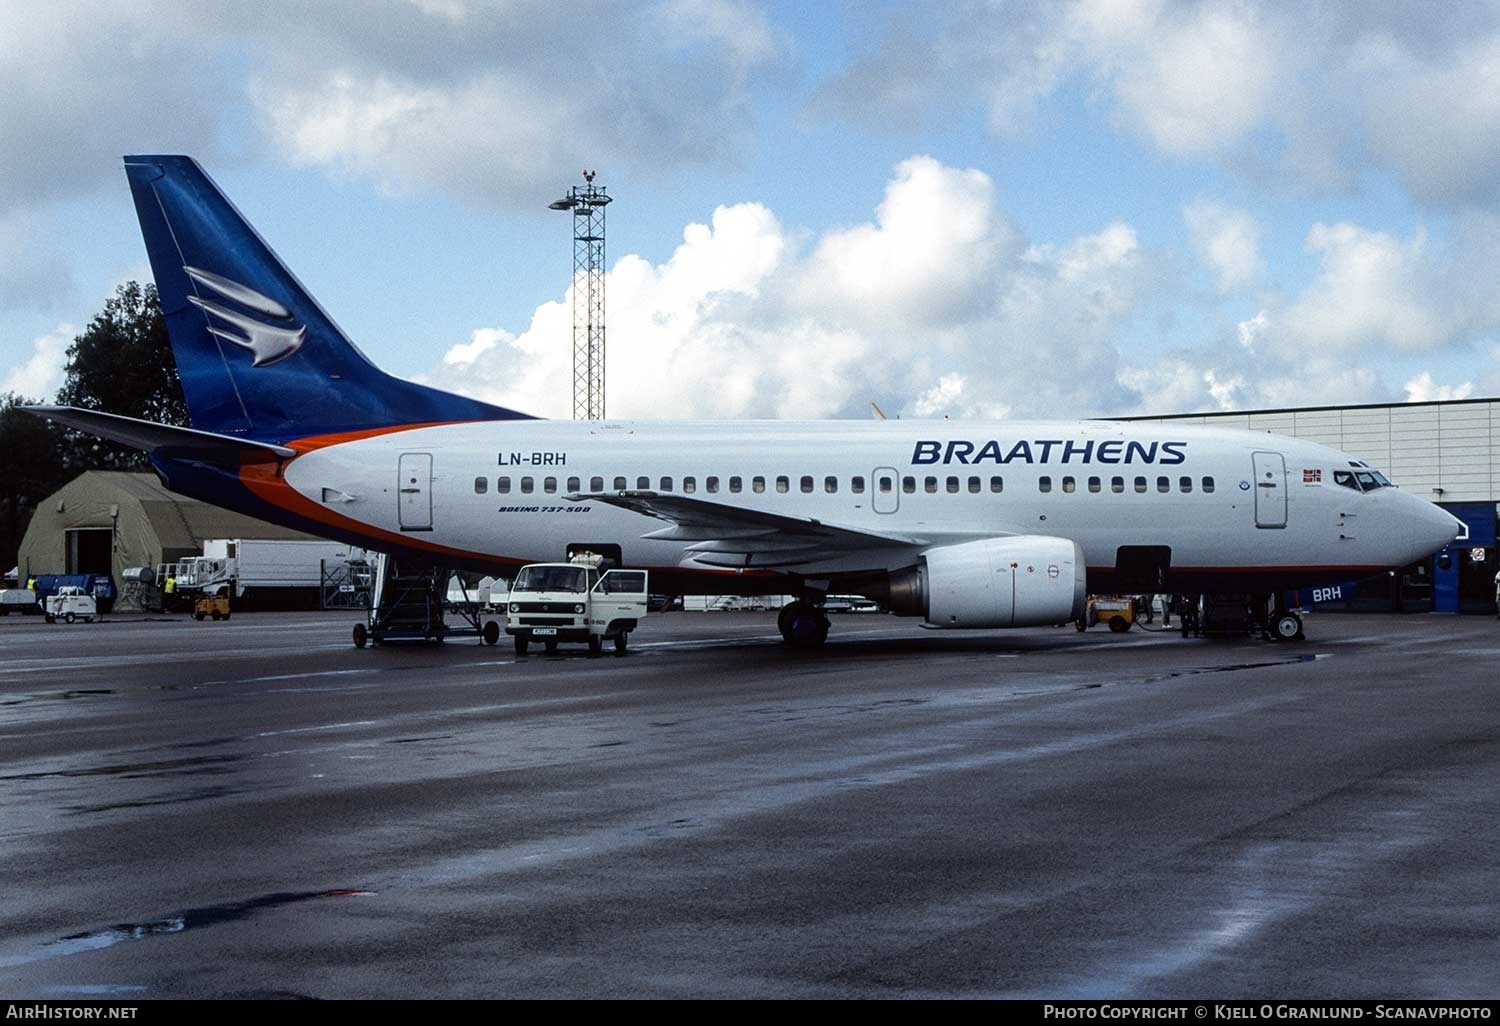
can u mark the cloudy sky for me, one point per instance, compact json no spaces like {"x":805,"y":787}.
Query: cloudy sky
{"x":970,"y":209}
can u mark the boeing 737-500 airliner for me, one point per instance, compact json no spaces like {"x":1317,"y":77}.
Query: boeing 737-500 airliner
{"x":967,"y":525}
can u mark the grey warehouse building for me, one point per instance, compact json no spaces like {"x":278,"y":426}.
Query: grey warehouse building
{"x":1447,"y":452}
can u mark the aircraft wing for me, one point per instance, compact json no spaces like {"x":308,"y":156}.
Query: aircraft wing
{"x":149,"y":435}
{"x":731,"y":536}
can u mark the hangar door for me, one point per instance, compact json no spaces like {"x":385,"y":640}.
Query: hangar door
{"x":1270,"y":489}
{"x":414,"y":482}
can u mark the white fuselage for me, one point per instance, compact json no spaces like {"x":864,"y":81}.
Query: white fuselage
{"x":496,"y":493}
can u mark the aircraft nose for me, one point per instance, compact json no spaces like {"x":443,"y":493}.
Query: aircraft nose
{"x":1436,"y":527}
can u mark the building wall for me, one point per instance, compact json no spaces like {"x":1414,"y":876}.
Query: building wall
{"x":1446,"y":452}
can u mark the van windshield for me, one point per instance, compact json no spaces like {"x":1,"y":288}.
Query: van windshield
{"x":552,"y":578}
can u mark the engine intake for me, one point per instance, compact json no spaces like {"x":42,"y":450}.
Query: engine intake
{"x":1023,"y":581}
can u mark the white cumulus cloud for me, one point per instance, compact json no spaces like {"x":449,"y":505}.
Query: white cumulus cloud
{"x":1226,"y":239}
{"x":1423,"y":388}
{"x":952,"y":315}
{"x":41,"y":374}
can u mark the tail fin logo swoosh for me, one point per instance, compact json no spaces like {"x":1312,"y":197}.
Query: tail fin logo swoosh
{"x":266,"y":343}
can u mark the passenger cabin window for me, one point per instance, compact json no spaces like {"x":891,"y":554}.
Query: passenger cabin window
{"x":929,"y":484}
{"x":885,"y":484}
{"x":527,"y":486}
{"x":549,"y":485}
{"x":689,"y":485}
{"x":807,"y":482}
{"x":1044,"y":484}
{"x":666,"y":484}
{"x":596,"y":484}
{"x":783,"y":484}
{"x":502,"y":485}
{"x":1140,"y":485}
{"x":1185,"y":484}
{"x":974,"y":486}
{"x":908,"y":484}
{"x":711,"y":485}
{"x":643,"y":484}
{"x":857,"y":485}
{"x":735,"y":484}
{"x":1069,"y":485}
{"x":1164,"y":484}
{"x":758,"y":485}
{"x":620,"y":484}
{"x":481,"y":485}
{"x":574,"y":485}
{"x":830,"y":485}
{"x":1117,"y":484}
{"x":997,"y":484}
{"x":953,"y":486}
{"x":1208,"y":484}
{"x":1095,"y":484}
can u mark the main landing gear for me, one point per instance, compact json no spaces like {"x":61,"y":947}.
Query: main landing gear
{"x":803,"y":624}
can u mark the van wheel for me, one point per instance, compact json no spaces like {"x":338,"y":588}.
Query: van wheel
{"x":622,"y":642}
{"x":552,"y":648}
{"x":596,"y":646}
{"x":522,"y":644}
{"x":491,"y":632}
{"x":361,"y":635}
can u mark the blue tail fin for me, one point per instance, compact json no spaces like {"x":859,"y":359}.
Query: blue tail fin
{"x":257,"y":355}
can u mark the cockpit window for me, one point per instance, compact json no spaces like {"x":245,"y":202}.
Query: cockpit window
{"x":1363,"y":479}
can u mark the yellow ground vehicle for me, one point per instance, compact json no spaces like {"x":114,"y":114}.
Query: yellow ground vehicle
{"x":1116,"y":610}
{"x":216,"y":606}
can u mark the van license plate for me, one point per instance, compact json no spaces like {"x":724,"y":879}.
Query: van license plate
{"x":543,"y":631}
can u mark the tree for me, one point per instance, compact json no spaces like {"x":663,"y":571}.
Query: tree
{"x":30,"y":467}
{"x":122,"y":363}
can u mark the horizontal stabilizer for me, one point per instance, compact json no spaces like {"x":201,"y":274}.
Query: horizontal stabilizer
{"x":150,"y":436}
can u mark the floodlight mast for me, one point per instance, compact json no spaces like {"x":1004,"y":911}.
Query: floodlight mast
{"x":587,"y":203}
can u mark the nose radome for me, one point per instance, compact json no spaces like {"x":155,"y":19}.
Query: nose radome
{"x":1439,"y":527}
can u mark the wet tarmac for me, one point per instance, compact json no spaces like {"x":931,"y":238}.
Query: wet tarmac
{"x":255,"y":808}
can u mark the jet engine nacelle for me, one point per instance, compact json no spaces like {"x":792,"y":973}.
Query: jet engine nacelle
{"x":1024,"y":581}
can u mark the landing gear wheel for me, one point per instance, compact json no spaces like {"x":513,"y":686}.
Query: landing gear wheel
{"x":1118,"y":624}
{"x":802,"y":625}
{"x":551,"y":648}
{"x":622,"y":642}
{"x":596,"y":646}
{"x":361,"y":635}
{"x":69,"y":618}
{"x":491,"y":633}
{"x":522,"y":644}
{"x":1287,"y":627}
